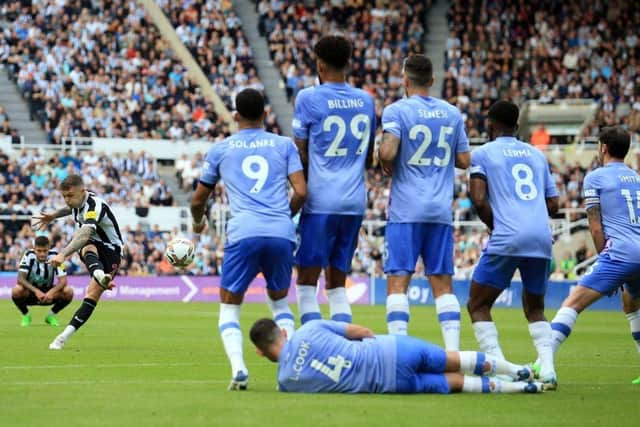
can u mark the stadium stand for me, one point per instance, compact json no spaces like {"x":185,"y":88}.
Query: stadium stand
{"x":382,"y":37}
{"x":544,"y":51}
{"x":102,"y":71}
{"x":213,"y":33}
{"x":5,"y":125}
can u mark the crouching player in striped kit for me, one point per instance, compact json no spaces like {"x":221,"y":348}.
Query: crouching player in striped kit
{"x":35,"y":283}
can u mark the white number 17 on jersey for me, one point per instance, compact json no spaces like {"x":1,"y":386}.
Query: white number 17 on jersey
{"x":338,"y":362}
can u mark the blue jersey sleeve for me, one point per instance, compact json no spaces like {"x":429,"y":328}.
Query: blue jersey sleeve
{"x":302,"y":115}
{"x":210,"y":166}
{"x":550,"y":185}
{"x":591,"y":191}
{"x":478,"y":166}
{"x":391,"y":120}
{"x":462,"y":141}
{"x":338,"y":328}
{"x":294,"y":164}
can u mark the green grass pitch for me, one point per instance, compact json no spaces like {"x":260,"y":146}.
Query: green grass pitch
{"x":162,"y":364}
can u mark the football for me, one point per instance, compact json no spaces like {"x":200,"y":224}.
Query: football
{"x":180,"y":252}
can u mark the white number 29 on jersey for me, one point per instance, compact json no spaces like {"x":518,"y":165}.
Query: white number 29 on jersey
{"x":256,"y":167}
{"x":359,"y":132}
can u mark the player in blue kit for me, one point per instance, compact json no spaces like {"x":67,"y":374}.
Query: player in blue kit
{"x":255,"y":166}
{"x":326,"y":356}
{"x":423,"y":140}
{"x":513,"y":192}
{"x":334,"y":127}
{"x":612,"y":199}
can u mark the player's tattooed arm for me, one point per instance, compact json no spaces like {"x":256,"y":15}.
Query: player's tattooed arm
{"x":80,"y":239}
{"x":479,"y":197}
{"x":61,"y":212}
{"x":303,"y":150}
{"x":388,"y":151}
{"x":595,"y":227}
{"x":24,"y":281}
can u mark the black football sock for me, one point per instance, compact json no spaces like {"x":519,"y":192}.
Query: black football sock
{"x":21,"y":303}
{"x":59,"y":305}
{"x":83,"y":313}
{"x":92,"y":262}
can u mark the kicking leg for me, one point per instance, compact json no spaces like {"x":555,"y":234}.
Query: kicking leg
{"x":81,"y":316}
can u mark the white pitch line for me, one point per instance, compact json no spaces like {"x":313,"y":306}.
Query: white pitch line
{"x":97,"y":382}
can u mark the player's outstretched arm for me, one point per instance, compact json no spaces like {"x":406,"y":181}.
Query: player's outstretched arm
{"x":478,"y":190}
{"x":299,"y":186}
{"x":595,"y":227}
{"x":357,"y":332}
{"x":198,"y":205}
{"x":41,"y":220}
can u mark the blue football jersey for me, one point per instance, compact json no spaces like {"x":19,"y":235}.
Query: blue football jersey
{"x":339,"y":123}
{"x":519,"y":182}
{"x":616,"y":188}
{"x":254,"y":166}
{"x":319,"y":359}
{"x":431,"y":133}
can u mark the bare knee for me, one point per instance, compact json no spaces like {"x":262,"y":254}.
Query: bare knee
{"x":67,"y":293}
{"x":308,"y":275}
{"x":441,"y":284}
{"x":479,"y":311}
{"x":19,"y":291}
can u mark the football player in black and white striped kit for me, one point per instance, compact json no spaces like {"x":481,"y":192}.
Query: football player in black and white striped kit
{"x":97,"y":239}
{"x":36,"y":283}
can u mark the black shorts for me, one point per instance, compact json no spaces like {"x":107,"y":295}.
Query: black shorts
{"x":33,"y":300}
{"x":110,"y":258}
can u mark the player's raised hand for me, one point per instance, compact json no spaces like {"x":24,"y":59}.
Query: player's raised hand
{"x":57,"y":260}
{"x":42,"y":220}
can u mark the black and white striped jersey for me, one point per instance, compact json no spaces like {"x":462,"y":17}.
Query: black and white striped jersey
{"x":97,"y":214}
{"x":40,"y":274}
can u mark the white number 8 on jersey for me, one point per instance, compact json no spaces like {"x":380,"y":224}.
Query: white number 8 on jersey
{"x":525,"y":187}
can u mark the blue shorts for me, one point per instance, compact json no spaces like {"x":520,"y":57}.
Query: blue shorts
{"x":328,"y":240}
{"x":244,"y":259}
{"x":606,"y":275}
{"x":405,"y":242}
{"x":420,"y":367}
{"x":497,"y":271}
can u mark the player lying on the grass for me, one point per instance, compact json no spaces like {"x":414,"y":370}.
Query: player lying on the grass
{"x":612,"y":199}
{"x":325,"y":356}
{"x":97,"y":240}
{"x":255,"y":166}
{"x":513,"y":191}
{"x":35,"y":283}
{"x":631,"y":309}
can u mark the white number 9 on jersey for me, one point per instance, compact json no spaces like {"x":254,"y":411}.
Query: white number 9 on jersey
{"x":256,"y":167}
